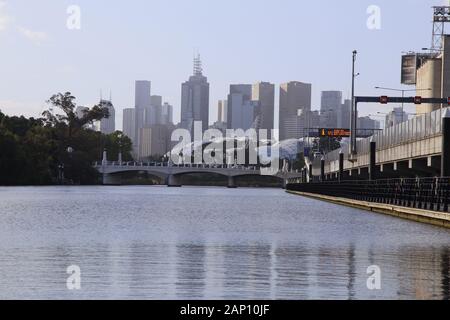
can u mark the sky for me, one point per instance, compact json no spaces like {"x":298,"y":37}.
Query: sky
{"x":240,"y":41}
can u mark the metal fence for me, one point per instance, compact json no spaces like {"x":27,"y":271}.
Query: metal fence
{"x":421,"y":193}
{"x":419,"y":128}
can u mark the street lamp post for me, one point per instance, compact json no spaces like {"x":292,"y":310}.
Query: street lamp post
{"x":353,"y":109}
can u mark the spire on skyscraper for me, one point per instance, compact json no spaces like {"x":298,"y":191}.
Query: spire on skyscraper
{"x":198,"y":70}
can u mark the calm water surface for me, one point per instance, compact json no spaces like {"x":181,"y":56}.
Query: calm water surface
{"x":210,"y":243}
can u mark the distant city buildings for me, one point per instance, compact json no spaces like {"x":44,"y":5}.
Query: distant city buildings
{"x":395,"y":117}
{"x":150,"y":124}
{"x":344,"y":115}
{"x":367,"y":123}
{"x":331,"y":103}
{"x":222,"y":111}
{"x":264,"y":94}
{"x":242,"y":111}
{"x":155,"y":141}
{"x":295,"y":109}
{"x":142,"y":104}
{"x":195,"y":99}
{"x":129,"y":123}
{"x":108,"y":125}
{"x":166,"y":114}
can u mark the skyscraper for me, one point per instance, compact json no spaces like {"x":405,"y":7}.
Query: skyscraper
{"x":344,"y":115}
{"x":167,"y":114}
{"x":222,"y":111}
{"x":108,"y":125}
{"x":331,"y":104}
{"x":142,"y":94}
{"x":142,"y":103}
{"x":195,"y":99}
{"x":295,"y":106}
{"x":129,"y":123}
{"x":242,"y":111}
{"x":264,"y":93}
{"x":156,"y":110}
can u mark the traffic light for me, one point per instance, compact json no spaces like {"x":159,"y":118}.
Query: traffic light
{"x":448,"y":101}
{"x":417,"y":100}
{"x":384,"y":99}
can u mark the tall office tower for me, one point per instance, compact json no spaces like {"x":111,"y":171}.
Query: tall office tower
{"x":156,"y":106}
{"x":331,"y":103}
{"x":344,"y":115}
{"x":222,"y":111}
{"x":295,"y":106}
{"x":143,"y":94}
{"x":167,"y":114}
{"x":264,"y":93}
{"x":108,"y":125}
{"x":142,"y":102}
{"x":242,"y":111}
{"x":195,"y":99}
{"x":129,"y":123}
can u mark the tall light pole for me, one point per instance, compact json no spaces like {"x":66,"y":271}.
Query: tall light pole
{"x":353,"y":116}
{"x":403,"y":96}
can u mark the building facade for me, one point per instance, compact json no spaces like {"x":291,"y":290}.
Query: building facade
{"x":108,"y":125}
{"x":295,"y":106}
{"x":129,"y":123}
{"x":222,"y":111}
{"x":195,"y":99}
{"x":395,"y":117}
{"x":264,"y":93}
{"x":242,"y":111}
{"x":331,"y":104}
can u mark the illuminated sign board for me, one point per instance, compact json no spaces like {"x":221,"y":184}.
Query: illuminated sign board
{"x":336,"y":133}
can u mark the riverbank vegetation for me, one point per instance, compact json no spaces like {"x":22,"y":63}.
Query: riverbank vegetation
{"x":59,"y":147}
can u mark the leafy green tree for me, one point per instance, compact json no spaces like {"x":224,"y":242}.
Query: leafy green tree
{"x":33,"y":151}
{"x":66,"y":103}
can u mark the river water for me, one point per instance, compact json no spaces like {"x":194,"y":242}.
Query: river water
{"x":210,"y":243}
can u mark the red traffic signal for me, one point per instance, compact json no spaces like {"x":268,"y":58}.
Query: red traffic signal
{"x":448,"y":101}
{"x":417,"y":100}
{"x":384,"y":99}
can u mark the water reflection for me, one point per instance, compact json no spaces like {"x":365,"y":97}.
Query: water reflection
{"x":217,"y":253}
{"x":253,"y":271}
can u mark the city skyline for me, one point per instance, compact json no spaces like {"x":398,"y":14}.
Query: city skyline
{"x":167,"y":63}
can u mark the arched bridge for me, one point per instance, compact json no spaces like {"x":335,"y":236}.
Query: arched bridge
{"x":171,"y":173}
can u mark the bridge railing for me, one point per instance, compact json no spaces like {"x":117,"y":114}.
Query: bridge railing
{"x":165,"y":164}
{"x":422,"y":193}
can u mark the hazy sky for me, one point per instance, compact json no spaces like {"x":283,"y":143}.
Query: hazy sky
{"x":241,"y":41}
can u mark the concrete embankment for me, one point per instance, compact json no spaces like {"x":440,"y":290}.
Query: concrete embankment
{"x":440,"y":219}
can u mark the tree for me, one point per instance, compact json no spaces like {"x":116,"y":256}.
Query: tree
{"x":33,"y":151}
{"x":66,"y":103}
